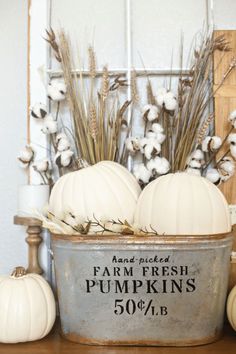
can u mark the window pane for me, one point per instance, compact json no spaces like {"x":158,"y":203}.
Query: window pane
{"x":100,"y":23}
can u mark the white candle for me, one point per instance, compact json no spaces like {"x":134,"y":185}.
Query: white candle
{"x":32,"y":198}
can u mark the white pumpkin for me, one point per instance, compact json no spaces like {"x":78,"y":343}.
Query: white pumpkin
{"x":183,"y":204}
{"x":105,"y":190}
{"x":27,"y":307}
{"x":231,"y":307}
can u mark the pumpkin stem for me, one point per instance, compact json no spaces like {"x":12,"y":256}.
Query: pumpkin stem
{"x":82,"y":164}
{"x":18,"y":272}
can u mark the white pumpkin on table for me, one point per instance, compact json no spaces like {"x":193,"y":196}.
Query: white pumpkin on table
{"x":231,"y":308}
{"x":183,"y":204}
{"x":106,"y":190}
{"x":27,"y":307}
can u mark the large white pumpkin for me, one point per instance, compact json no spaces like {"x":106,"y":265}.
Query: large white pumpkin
{"x":231,"y":307}
{"x":183,"y":204}
{"x":27,"y":307}
{"x":106,"y":190}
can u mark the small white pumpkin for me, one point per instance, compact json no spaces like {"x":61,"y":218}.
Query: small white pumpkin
{"x":183,"y":204}
{"x":27,"y":307}
{"x":231,"y":307}
{"x":105,"y":190}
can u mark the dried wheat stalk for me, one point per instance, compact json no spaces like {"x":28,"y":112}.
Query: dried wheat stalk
{"x":204,"y":128}
{"x":186,"y":128}
{"x":92,"y":62}
{"x":195,"y":95}
{"x":93,"y":122}
{"x":97,"y":116}
{"x":134,"y":89}
{"x":105,"y":83}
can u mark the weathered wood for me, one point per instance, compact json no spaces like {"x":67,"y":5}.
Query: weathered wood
{"x":26,"y":221}
{"x":225,"y":91}
{"x":225,"y":102}
{"x":34,"y":229}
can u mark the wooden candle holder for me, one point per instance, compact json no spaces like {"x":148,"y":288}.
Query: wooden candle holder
{"x":33,"y":239}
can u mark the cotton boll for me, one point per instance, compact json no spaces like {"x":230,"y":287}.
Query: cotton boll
{"x":193,"y":171}
{"x":39,"y":110}
{"x":232,"y":139}
{"x":132,"y":144}
{"x":63,"y":145}
{"x":41,"y":165}
{"x":195,"y":164}
{"x":167,"y":99}
{"x":60,"y":136}
{"x":153,"y":114}
{"x":160,"y":138}
{"x":232,"y":118}
{"x":56,"y":90}
{"x":160,"y":96}
{"x":146,"y":108}
{"x":151,"y":165}
{"x":233,"y":114}
{"x":232,"y":142}
{"x":228,"y":164}
{"x":64,"y":158}
{"x":160,"y":100}
{"x":62,"y":142}
{"x":233,"y":150}
{"x":170,"y":104}
{"x":215,"y":143}
{"x":142,"y":143}
{"x":198,"y":155}
{"x":49,"y":117}
{"x":151,"y":134}
{"x":196,"y":159}
{"x":141,"y":173}
{"x":26,"y":155}
{"x":211,"y":143}
{"x":225,"y":177}
{"x":226,"y":168}
{"x":205,"y":144}
{"x":152,"y":148}
{"x":49,"y":126}
{"x":162,"y":165}
{"x":169,"y":95}
{"x":150,"y":112}
{"x":213,"y":175}
{"x":148,"y":151}
{"x":157,"y":128}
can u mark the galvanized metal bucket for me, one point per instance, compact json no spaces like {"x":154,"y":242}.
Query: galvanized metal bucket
{"x":161,"y":290}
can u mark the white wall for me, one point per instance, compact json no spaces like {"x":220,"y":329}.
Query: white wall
{"x":224,"y":14}
{"x":13,"y":64}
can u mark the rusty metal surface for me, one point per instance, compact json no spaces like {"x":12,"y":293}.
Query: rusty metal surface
{"x":114,"y":239}
{"x":74,"y":337}
{"x":142,"y":291}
